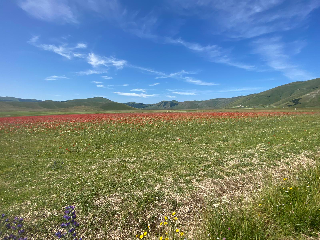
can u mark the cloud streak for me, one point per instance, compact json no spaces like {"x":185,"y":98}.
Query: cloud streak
{"x":185,"y":93}
{"x":240,"y":89}
{"x":199,"y":82}
{"x":90,"y":72}
{"x":54,"y":78}
{"x":135,"y":94}
{"x":213,"y":52}
{"x":138,"y":90}
{"x":273,"y":52}
{"x":49,"y":10}
{"x":248,"y":18}
{"x":96,"y":61}
{"x":62,"y":50}
{"x":106,"y":77}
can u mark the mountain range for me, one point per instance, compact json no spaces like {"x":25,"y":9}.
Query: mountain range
{"x":302,"y":94}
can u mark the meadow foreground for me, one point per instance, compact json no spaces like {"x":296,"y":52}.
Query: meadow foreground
{"x":174,"y":175}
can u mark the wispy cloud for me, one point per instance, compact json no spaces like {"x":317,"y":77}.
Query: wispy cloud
{"x":175,"y":75}
{"x":148,"y":70}
{"x":54,"y":78}
{"x":154,"y":84}
{"x":135,"y":94}
{"x":96,"y":61}
{"x":273,"y":52}
{"x":49,"y":10}
{"x":90,"y":72}
{"x":186,"y":93}
{"x":125,"y":85}
{"x":240,"y":89}
{"x":96,"y":82}
{"x":138,"y":90}
{"x":63,"y":50}
{"x":92,"y":59}
{"x":247,"y":19}
{"x":213,"y":52}
{"x":81,"y":45}
{"x":199,"y":82}
{"x":106,"y":77}
{"x":70,"y":11}
{"x":172,"y":97}
{"x":100,"y":86}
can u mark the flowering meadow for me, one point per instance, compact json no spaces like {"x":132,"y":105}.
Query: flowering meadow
{"x":183,"y":175}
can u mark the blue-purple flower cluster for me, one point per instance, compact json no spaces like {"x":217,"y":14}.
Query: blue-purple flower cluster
{"x":70,"y":225}
{"x":11,"y":228}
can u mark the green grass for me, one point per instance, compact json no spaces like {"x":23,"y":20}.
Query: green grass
{"x":288,"y":210}
{"x":122,"y":177}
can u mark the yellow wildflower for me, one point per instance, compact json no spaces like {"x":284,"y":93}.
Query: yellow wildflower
{"x":175,"y":218}
{"x":165,"y":217}
{"x":174,"y":213}
{"x":160,"y":238}
{"x":145,"y":233}
{"x":181,"y":234}
{"x":177,"y":230}
{"x":141,"y":236}
{"x":165,"y":223}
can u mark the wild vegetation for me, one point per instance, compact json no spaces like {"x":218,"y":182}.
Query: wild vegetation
{"x":227,"y":175}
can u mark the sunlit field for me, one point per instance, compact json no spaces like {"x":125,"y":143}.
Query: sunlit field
{"x":164,"y":175}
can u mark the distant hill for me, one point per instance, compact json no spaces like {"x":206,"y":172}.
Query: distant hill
{"x":304,"y":94}
{"x":296,"y":94}
{"x":90,"y":104}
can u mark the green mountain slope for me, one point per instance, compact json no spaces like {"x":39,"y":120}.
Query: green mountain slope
{"x":296,"y":94}
{"x":302,"y":94}
{"x":90,"y":104}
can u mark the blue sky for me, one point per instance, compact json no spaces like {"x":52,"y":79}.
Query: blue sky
{"x":148,"y":51}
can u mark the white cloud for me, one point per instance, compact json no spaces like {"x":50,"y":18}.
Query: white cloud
{"x":79,"y":55}
{"x":213,"y":52}
{"x":176,"y":74}
{"x":125,"y":85}
{"x":147,"y":70}
{"x":101,"y":86}
{"x":90,"y":72}
{"x":33,"y":40}
{"x":273,"y":52}
{"x":96,"y":61}
{"x":96,"y":82}
{"x":199,"y":82}
{"x":54,"y":78}
{"x":106,"y":77}
{"x":186,"y":93}
{"x":172,"y":97}
{"x":154,"y":84}
{"x":135,"y":94}
{"x":81,"y":45}
{"x":248,"y":18}
{"x":240,"y":89}
{"x":49,"y":10}
{"x":62,"y":50}
{"x":138,"y":90}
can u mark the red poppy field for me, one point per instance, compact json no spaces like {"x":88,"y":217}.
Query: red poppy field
{"x":153,"y":175}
